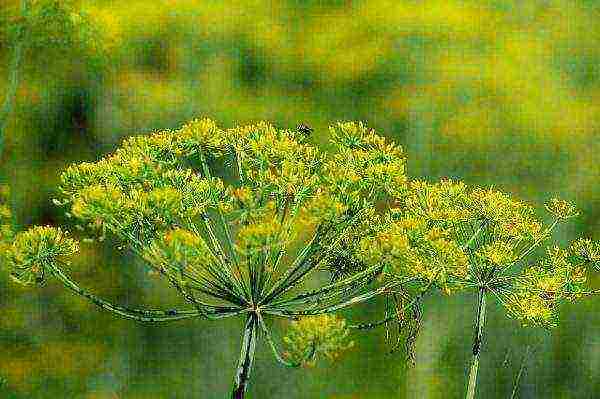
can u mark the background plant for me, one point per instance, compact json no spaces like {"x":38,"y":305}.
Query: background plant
{"x":42,"y":29}
{"x":461,"y":238}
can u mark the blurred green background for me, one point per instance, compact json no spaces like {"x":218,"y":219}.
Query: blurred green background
{"x":495,"y":92}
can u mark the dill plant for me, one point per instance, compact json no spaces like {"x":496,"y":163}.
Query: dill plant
{"x":246,"y":247}
{"x":37,"y":30}
{"x":461,"y":238}
{"x":290,"y":232}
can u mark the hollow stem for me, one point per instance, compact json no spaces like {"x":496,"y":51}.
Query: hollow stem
{"x":242,"y":375}
{"x":477,"y":343}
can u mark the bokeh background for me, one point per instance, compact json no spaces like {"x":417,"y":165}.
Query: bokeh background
{"x":495,"y":92}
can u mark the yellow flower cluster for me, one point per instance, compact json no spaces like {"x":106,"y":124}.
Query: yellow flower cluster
{"x":509,"y":218}
{"x":141,"y":161}
{"x":204,"y":133}
{"x":325,"y":335}
{"x":276,"y":160}
{"x":259,"y":236}
{"x":138,"y":210}
{"x":117,"y":170}
{"x":446,"y":202}
{"x":323,"y":206}
{"x":356,"y":135}
{"x":98,"y":203}
{"x":197,"y":194}
{"x":293,"y":178}
{"x":165,"y":146}
{"x":180,"y":249}
{"x":272,"y":163}
{"x":365,"y":165}
{"x":540,"y":288}
{"x":409,"y":247}
{"x":36,"y":249}
{"x":453,"y":204}
{"x":561,"y":209}
{"x":533,"y":310}
{"x":587,"y":251}
{"x":498,"y":253}
{"x":123,"y":192}
{"x":447,"y":229}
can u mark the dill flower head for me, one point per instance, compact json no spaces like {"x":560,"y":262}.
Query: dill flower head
{"x":311,"y":337}
{"x":205,"y":133}
{"x":286,"y":191}
{"x":561,"y":209}
{"x":499,"y":253}
{"x":365,"y":165}
{"x":180,"y":250}
{"x":540,"y":288}
{"x":248,"y":240}
{"x":587,"y":251}
{"x":36,"y":250}
{"x":458,"y":236}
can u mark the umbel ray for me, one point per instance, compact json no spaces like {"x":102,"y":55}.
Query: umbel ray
{"x":299,"y":234}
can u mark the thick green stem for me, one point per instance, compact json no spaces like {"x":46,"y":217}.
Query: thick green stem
{"x":13,"y":80}
{"x":242,"y":375}
{"x":477,"y":343}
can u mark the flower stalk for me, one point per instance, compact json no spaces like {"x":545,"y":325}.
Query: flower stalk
{"x":477,"y":344}
{"x":242,"y":375}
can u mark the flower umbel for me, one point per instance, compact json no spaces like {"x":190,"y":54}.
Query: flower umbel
{"x":325,"y":335}
{"x":36,"y":250}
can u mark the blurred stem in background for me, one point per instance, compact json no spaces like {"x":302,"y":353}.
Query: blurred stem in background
{"x":13,"y":77}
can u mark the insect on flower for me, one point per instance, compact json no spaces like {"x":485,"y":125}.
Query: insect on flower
{"x":304,"y":129}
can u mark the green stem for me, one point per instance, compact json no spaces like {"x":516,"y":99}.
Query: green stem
{"x":533,"y":246}
{"x":521,"y":369}
{"x":474,"y":236}
{"x":13,"y":80}
{"x":477,"y":343}
{"x":335,"y":307}
{"x":307,"y":297}
{"x":134,"y":314}
{"x":237,"y":280}
{"x":242,"y":376}
{"x":298,"y":272}
{"x":309,"y":355}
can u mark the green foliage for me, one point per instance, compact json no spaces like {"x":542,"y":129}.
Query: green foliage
{"x":498,"y":92}
{"x":48,"y":26}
